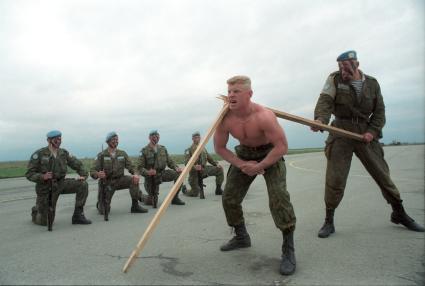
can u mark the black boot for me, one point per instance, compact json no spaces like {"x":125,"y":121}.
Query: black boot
{"x":34,"y":214}
{"x":176,"y":200}
{"x":142,"y":197}
{"x":218,"y":190}
{"x":78,"y":217}
{"x":399,"y":215}
{"x":184,"y":189}
{"x":288,"y":263}
{"x":100,"y":208}
{"x":328,"y":227}
{"x":240,"y":240}
{"x":136,"y":208}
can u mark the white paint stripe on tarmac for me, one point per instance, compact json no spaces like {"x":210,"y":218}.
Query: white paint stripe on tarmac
{"x":17,"y":199}
{"x":293,"y":165}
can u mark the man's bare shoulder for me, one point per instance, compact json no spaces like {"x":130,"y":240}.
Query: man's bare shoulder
{"x":263,"y":112}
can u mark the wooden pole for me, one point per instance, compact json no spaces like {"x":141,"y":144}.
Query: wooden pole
{"x":174,"y":189}
{"x":312,"y":123}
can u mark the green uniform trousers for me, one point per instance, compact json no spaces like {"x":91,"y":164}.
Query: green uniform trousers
{"x":120,"y":183}
{"x":163,"y":176}
{"x":237,"y":184}
{"x":339,"y":152}
{"x":63,"y":186}
{"x":206,"y":172}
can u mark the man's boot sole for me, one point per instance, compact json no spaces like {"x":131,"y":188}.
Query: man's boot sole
{"x":237,"y":247}
{"x":397,"y":221}
{"x":326,"y":235}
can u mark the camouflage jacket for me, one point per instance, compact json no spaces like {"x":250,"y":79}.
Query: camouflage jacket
{"x":113,"y":166}
{"x":339,"y":98}
{"x":203,"y":158}
{"x":42,"y":161}
{"x":159,"y":161}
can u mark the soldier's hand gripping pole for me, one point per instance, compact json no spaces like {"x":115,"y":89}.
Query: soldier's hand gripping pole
{"x":103,"y":189}
{"x":311,"y":123}
{"x":50,"y":210}
{"x":174,"y":190}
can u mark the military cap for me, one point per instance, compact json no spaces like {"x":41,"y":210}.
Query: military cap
{"x":53,"y":134}
{"x":196,"y":133}
{"x":153,"y":132}
{"x":348,"y":55}
{"x":110,"y":135}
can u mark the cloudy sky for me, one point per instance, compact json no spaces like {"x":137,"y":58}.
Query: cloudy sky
{"x":88,"y":67}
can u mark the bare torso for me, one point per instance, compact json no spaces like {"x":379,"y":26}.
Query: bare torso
{"x":248,"y":130}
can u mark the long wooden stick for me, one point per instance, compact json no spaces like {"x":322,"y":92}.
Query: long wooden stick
{"x":312,"y":123}
{"x":174,"y":189}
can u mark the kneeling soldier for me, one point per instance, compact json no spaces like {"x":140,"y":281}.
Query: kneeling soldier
{"x":202,"y":169}
{"x":47,"y":168}
{"x":153,"y":160}
{"x":112,"y":172}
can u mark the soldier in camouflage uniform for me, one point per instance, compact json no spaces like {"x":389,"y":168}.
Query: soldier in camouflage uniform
{"x":152,"y":162}
{"x":356,"y":101}
{"x":114,"y":163}
{"x":50,"y":163}
{"x":201,"y":168}
{"x":262,"y":146}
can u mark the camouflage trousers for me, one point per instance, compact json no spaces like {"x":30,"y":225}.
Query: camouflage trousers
{"x":206,"y":172}
{"x":63,"y":186}
{"x":339,"y":152}
{"x":152,"y":184}
{"x":237,"y":184}
{"x":120,"y":183}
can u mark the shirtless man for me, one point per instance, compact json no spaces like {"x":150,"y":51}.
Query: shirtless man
{"x":262,"y":146}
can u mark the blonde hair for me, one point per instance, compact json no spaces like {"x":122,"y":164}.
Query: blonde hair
{"x":241,"y":79}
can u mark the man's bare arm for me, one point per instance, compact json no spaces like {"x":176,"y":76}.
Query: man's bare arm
{"x":276,"y":136}
{"x":221,"y":137}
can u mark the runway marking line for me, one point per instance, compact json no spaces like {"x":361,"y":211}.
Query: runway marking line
{"x":292,"y":164}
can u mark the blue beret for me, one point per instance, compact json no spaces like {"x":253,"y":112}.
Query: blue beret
{"x":196,"y":133}
{"x":110,"y":135}
{"x":153,"y":132}
{"x":348,"y":55}
{"x":53,"y":134}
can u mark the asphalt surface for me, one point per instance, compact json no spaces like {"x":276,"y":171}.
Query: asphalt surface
{"x":367,"y":249}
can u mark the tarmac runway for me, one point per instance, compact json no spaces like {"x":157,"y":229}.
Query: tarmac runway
{"x":367,"y":249}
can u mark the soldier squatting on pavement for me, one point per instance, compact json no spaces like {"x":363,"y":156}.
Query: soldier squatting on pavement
{"x":201,"y":168}
{"x":47,"y":168}
{"x":114,"y":163}
{"x":262,"y":146}
{"x":152,"y":162}
{"x":356,"y":101}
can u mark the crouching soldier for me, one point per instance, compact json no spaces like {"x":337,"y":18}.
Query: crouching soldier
{"x":109,"y":168}
{"x":202,"y":169}
{"x":153,"y":160}
{"x":47,"y":168}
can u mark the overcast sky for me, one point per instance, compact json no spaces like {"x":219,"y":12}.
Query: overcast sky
{"x":89,"y":67}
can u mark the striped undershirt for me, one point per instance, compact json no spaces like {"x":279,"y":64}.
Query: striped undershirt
{"x":357,"y":85}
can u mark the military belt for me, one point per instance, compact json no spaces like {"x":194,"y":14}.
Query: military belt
{"x":258,"y":148}
{"x":353,"y":119}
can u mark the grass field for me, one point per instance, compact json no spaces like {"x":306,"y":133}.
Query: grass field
{"x":18,"y":168}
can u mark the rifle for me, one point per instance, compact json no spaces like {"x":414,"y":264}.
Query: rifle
{"x":103,"y":188}
{"x":201,"y":181}
{"x":50,"y":211}
{"x":154,"y":194}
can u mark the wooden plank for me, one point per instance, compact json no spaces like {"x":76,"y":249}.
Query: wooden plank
{"x":311,"y":123}
{"x":149,"y":230}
